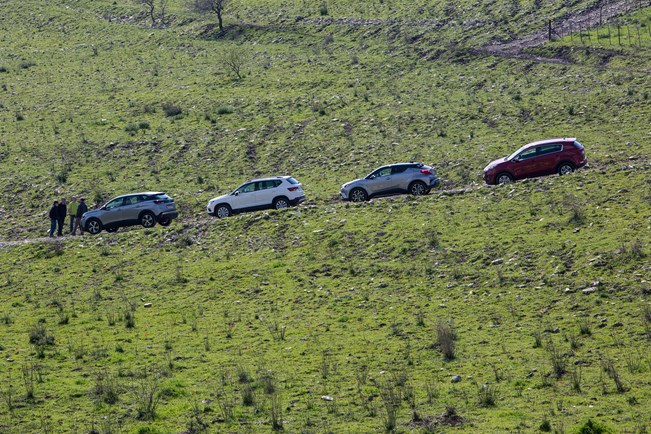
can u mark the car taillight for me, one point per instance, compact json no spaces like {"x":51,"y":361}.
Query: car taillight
{"x":292,"y":188}
{"x":425,"y":171}
{"x":158,"y":202}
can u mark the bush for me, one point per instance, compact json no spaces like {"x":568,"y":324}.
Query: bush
{"x":323,"y":9}
{"x":172,"y":110}
{"x":224,"y":110}
{"x":445,"y":340}
{"x":3,"y":69}
{"x":38,"y":335}
{"x":591,"y":427}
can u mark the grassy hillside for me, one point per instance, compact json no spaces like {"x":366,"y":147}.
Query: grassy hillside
{"x":329,"y":317}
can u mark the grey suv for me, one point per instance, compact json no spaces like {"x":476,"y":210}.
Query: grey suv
{"x":146,"y":209}
{"x":414,"y":178}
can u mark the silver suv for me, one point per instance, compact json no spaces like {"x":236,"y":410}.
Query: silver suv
{"x":277,"y":192}
{"x":145,"y":209}
{"x":414,"y":178}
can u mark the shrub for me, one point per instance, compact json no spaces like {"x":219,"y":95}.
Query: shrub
{"x":488,"y":395}
{"x":38,"y":335}
{"x":559,"y":364}
{"x":147,"y":397}
{"x":224,"y":110}
{"x":323,"y":9}
{"x":445,"y":340}
{"x":545,"y":426}
{"x":3,"y":69}
{"x":591,"y":427}
{"x":106,"y":388}
{"x":171,"y":110}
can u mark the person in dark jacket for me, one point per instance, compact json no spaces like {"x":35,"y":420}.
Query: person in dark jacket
{"x":62,"y":211}
{"x":54,"y":217}
{"x":81,"y":209}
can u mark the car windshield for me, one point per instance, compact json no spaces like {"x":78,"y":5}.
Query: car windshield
{"x":292,"y":181}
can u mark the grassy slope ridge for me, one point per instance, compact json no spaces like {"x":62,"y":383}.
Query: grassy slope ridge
{"x":305,"y":299}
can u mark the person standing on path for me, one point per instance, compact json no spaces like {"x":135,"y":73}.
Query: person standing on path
{"x":81,"y":209}
{"x":62,"y":208}
{"x":72,"y":211}
{"x":54,"y":217}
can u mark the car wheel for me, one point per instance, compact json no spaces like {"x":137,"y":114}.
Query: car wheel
{"x":280,"y":203}
{"x":418,"y":188}
{"x":164,"y":221}
{"x":147,"y":219}
{"x":503,"y":178}
{"x":358,"y":195}
{"x":222,"y":211}
{"x":93,"y":226}
{"x":113,"y":229}
{"x":565,"y":169}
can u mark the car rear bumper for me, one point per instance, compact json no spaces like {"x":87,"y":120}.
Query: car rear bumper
{"x":168,"y":215}
{"x":434,"y":182}
{"x":297,"y":200}
{"x":582,"y":163}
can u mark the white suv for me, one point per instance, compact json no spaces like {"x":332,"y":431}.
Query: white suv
{"x":277,"y":192}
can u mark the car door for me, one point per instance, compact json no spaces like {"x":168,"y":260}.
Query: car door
{"x":380,"y":181}
{"x":525,"y":163}
{"x":132,"y":207}
{"x":244,"y":196}
{"x":112,"y":211}
{"x":269,"y":191}
{"x":262,"y":196}
{"x":548,"y":158}
{"x":401,"y":178}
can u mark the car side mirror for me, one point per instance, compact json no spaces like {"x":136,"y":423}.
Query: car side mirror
{"x":517,"y":159}
{"x":236,"y":193}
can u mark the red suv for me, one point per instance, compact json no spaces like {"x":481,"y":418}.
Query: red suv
{"x":545,"y":157}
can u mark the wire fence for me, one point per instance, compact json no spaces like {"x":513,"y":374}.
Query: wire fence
{"x":594,"y":30}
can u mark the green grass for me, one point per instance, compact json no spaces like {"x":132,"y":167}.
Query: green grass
{"x":255,"y":319}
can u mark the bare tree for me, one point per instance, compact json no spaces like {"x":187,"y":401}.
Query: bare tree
{"x":151,"y":6}
{"x":215,"y":6}
{"x":235,"y":58}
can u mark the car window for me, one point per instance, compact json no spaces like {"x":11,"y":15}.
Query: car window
{"x":548,"y":149}
{"x":247,"y":188}
{"x":291,"y":181}
{"x":114,"y":203}
{"x":265,"y":185}
{"x":132,"y":200}
{"x":398,"y":169}
{"x":527,"y":153}
{"x":386,"y":171}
